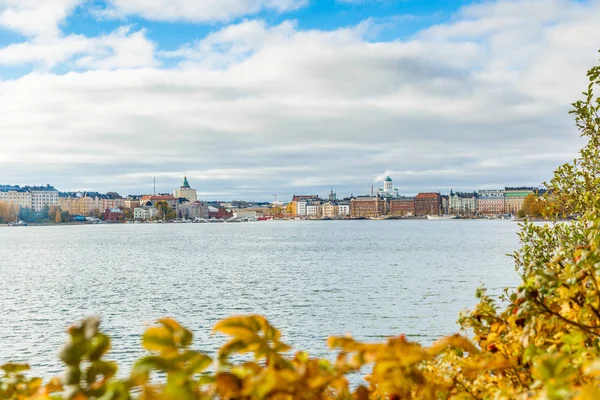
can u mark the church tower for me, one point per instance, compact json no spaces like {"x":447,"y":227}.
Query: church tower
{"x":185,"y":191}
{"x":388,"y":186}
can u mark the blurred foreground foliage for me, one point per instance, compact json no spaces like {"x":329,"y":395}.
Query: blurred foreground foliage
{"x":542,"y":341}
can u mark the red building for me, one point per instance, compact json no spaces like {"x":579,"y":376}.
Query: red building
{"x":113,"y":215}
{"x":367,"y":207}
{"x":219,"y":213}
{"x":428,"y":204}
{"x":404,"y":206}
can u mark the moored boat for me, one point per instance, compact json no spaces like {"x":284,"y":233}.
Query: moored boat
{"x":441,"y":217}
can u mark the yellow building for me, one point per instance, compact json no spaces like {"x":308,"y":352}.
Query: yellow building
{"x":515,"y":197}
{"x":16,"y":196}
{"x":185,"y":191}
{"x":330,"y":210}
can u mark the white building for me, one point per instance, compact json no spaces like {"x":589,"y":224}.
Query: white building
{"x":42,"y":196}
{"x":344,"y":209}
{"x":462,"y":203}
{"x":312,"y":210}
{"x":301,"y":208}
{"x":388,"y":187}
{"x":144,"y":213}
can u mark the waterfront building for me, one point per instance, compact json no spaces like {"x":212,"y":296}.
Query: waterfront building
{"x":219,"y":213}
{"x":42,"y":196}
{"x":428,"y":204}
{"x":299,"y":203}
{"x":344,"y":209}
{"x":113,"y":215}
{"x":490,"y":202}
{"x":244,"y":214}
{"x":514,"y":197}
{"x":192,"y":210}
{"x":16,"y":196}
{"x":329,"y":210}
{"x":145,"y":212}
{"x":84,"y":203}
{"x":301,"y":207}
{"x":367,"y":207}
{"x":313,"y":209}
{"x":185,"y":191}
{"x":462,"y":203}
{"x":403,"y":206}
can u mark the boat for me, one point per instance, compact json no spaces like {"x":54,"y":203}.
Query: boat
{"x":441,"y":217}
{"x":17,"y":223}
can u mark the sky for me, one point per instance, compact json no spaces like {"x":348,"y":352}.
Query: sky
{"x":255,"y":98}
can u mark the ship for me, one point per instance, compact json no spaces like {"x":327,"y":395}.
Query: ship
{"x":438,"y":217}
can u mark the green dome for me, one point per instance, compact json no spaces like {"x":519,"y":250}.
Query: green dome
{"x":388,"y":179}
{"x":185,"y":183}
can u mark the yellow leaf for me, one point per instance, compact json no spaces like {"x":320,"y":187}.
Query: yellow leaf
{"x":158,"y":339}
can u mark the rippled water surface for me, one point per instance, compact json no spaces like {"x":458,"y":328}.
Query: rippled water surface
{"x":311,"y":279}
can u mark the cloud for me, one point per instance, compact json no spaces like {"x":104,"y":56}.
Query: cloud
{"x":199,"y":11}
{"x":35,"y":17}
{"x":254,"y":109}
{"x":121,"y":48}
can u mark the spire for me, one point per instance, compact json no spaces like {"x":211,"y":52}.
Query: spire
{"x":185,"y":183}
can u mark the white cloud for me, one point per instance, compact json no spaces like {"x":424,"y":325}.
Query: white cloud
{"x":35,"y":17}
{"x":199,"y":11}
{"x":119,"y":49}
{"x":466,"y":104}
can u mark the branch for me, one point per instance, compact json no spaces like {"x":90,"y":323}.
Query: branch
{"x":585,"y":328}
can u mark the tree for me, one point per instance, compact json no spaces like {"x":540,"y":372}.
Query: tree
{"x":66,"y":216}
{"x":53,"y":211}
{"x":163,"y":209}
{"x":533,"y":206}
{"x":8,"y":212}
{"x":26,"y":214}
{"x":128,"y":213}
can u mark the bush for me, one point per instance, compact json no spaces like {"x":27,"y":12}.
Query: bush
{"x":542,"y":341}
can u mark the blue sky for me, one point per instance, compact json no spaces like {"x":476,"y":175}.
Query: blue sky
{"x":254,"y":97}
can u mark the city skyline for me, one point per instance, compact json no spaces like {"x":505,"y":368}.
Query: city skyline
{"x":371,"y":190}
{"x":252,"y":99}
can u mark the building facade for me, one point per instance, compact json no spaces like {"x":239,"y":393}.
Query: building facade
{"x":192,"y":210}
{"x":16,"y":196}
{"x":462,"y":203}
{"x":402,"y":207}
{"x":490,"y":202}
{"x":42,"y":196}
{"x":113,"y":215}
{"x":514,"y":197}
{"x":344,"y":209}
{"x":185,"y":191}
{"x":144,"y":213}
{"x":367,"y":207}
{"x":329,"y":210}
{"x":300,"y":202}
{"x":428,"y":204}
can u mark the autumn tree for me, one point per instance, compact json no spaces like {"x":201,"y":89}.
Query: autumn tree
{"x":8,"y":212}
{"x":54,"y":213}
{"x":533,"y":206}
